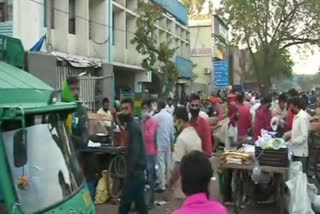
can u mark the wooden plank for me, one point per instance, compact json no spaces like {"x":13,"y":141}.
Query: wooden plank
{"x":100,"y":117}
{"x":270,"y":169}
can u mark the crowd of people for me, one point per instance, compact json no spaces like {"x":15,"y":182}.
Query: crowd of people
{"x":173,"y":141}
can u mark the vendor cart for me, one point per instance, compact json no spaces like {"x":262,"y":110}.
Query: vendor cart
{"x":113,"y":159}
{"x":241,"y":172}
{"x":105,"y":152}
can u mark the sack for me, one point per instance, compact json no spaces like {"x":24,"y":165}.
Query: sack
{"x":299,"y":199}
{"x":316,"y":204}
{"x":102,"y":195}
{"x":220,"y":131}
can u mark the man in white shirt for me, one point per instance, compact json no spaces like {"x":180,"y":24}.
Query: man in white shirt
{"x":105,"y":109}
{"x":170,"y":107}
{"x":187,"y":141}
{"x":299,"y":133}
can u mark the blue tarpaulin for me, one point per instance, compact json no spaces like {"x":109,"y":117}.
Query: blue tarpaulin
{"x":38,"y":45}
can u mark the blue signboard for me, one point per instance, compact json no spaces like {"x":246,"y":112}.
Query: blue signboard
{"x":221,"y":74}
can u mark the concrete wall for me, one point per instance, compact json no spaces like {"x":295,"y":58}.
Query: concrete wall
{"x":201,"y":39}
{"x":27,"y":22}
{"x":99,"y":29}
{"x":43,"y":66}
{"x":61,"y":31}
{"x":106,"y":85}
{"x":28,"y":25}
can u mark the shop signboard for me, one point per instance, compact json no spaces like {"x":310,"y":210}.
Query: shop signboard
{"x":221,"y":74}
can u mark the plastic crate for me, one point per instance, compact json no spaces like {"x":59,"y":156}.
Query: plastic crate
{"x":269,"y":157}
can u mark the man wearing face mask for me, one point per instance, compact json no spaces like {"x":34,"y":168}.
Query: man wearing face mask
{"x":150,"y":127}
{"x":187,"y":141}
{"x":165,"y":138}
{"x":133,"y":190}
{"x":201,"y":125}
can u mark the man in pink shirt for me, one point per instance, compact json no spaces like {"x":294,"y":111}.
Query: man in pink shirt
{"x":150,"y":127}
{"x":245,"y":118}
{"x":196,"y":173}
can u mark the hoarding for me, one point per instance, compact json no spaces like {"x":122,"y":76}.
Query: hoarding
{"x":200,"y":20}
{"x":221,"y":74}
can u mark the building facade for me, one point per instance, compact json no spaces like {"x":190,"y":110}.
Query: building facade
{"x":93,"y":37}
{"x":173,"y":26}
{"x":209,"y":39}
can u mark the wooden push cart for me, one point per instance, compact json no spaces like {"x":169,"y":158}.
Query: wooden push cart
{"x":240,"y":173}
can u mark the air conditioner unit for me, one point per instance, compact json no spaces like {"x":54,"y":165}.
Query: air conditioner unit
{"x":207,"y":71}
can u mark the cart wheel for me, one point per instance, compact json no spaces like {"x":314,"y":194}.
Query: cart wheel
{"x":120,"y":167}
{"x":237,"y":192}
{"x":114,"y":187}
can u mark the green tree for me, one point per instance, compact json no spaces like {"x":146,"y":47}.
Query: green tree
{"x":193,"y":6}
{"x":268,"y":28}
{"x":157,"y":55}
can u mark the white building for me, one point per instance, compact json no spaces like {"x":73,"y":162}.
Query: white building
{"x":98,"y":31}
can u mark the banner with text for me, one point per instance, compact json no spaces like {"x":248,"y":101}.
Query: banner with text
{"x":221,"y":74}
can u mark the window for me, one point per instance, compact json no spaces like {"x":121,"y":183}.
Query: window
{"x":72,"y":16}
{"x":45,"y":14}
{"x":6,"y":10}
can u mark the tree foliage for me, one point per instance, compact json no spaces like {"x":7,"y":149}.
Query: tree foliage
{"x":194,"y":6}
{"x":269,"y":27}
{"x":157,"y":55}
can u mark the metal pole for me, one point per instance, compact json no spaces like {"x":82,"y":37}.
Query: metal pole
{"x":49,"y":16}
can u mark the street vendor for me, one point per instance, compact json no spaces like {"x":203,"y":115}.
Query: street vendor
{"x":299,"y":135}
{"x":105,"y":109}
{"x":263,"y":117}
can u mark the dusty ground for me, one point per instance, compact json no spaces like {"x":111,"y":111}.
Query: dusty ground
{"x":214,"y":191}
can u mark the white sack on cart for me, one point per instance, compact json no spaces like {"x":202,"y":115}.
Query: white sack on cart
{"x":316,"y":204}
{"x":299,"y":199}
{"x":300,"y":202}
{"x":295,"y":169}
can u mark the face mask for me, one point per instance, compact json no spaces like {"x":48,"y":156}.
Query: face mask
{"x":154,"y":107}
{"x":124,"y":118}
{"x":179,"y":126}
{"x":194,"y":112}
{"x":145,"y":114}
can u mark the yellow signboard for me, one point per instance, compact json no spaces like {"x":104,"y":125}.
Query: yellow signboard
{"x":200,"y":20}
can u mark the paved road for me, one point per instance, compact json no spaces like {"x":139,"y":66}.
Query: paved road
{"x":214,"y":192}
{"x":167,"y":209}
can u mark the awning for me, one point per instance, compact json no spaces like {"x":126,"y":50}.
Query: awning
{"x":79,"y":61}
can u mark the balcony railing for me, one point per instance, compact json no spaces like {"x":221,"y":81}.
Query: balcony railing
{"x":6,"y":28}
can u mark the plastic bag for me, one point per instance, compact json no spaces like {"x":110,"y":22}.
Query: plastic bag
{"x":256,"y":173}
{"x":295,"y":169}
{"x":316,"y":204}
{"x":102,"y":194}
{"x":312,"y":192}
{"x":299,"y":199}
